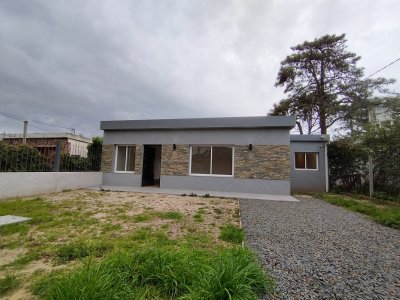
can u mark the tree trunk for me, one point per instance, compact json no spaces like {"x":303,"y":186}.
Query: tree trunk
{"x":299,"y":126}
{"x":322,"y":120}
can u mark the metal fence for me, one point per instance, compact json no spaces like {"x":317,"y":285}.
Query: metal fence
{"x":49,"y":156}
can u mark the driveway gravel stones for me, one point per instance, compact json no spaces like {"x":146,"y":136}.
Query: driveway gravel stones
{"x":316,"y":250}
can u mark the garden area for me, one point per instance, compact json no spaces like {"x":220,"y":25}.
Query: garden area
{"x":116,"y":245}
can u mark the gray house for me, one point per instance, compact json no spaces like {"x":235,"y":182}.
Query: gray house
{"x":241,"y":154}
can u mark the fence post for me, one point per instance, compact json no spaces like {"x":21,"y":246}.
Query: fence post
{"x":56,"y":167}
{"x":371,"y":176}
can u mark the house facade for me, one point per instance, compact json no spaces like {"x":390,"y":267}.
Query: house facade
{"x":242,"y":154}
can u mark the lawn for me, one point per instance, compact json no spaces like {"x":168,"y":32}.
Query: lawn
{"x":384,"y":212}
{"x":116,"y":245}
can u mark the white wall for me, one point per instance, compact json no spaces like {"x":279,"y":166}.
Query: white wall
{"x":18,"y":184}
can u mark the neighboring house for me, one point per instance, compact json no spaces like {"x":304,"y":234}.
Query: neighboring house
{"x":380,"y":116}
{"x":71,"y":144}
{"x":241,"y":154}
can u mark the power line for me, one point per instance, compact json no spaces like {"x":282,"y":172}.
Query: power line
{"x":21,"y":118}
{"x":383,"y":68}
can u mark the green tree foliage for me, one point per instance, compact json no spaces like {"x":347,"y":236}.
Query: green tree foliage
{"x":347,"y":161}
{"x":384,"y":146}
{"x":324,"y":85}
{"x":22,"y":158}
{"x":94,"y":153}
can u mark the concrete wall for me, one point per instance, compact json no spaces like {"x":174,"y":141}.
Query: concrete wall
{"x":274,"y":136}
{"x":309,"y":180}
{"x":18,"y":184}
{"x":226,"y":184}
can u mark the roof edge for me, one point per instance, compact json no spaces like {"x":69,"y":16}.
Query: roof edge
{"x":310,"y":138}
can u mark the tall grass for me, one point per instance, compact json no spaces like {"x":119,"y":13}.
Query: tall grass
{"x":8,"y":283}
{"x":232,"y":234}
{"x":163,"y":272}
{"x":388,"y":215}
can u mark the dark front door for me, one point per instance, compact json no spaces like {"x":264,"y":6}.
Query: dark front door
{"x":148,"y":165}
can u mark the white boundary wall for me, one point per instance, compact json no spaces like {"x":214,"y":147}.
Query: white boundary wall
{"x":18,"y":184}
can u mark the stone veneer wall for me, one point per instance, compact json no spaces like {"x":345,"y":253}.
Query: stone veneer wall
{"x":138,"y":159}
{"x":106,"y":158}
{"x":262,"y":162}
{"x":175,"y":162}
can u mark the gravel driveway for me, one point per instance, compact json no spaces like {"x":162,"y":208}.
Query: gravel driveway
{"x":316,"y":250}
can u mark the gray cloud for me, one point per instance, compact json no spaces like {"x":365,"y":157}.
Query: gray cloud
{"x":74,"y":63}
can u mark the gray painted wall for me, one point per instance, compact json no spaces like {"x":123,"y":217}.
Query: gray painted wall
{"x":18,"y":184}
{"x":308,"y":180}
{"x":122,"y":179}
{"x":204,"y":136}
{"x":226,"y":184}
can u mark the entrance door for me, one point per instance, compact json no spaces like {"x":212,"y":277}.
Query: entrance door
{"x":151,"y":165}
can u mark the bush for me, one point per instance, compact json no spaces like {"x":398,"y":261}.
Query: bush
{"x":22,"y":158}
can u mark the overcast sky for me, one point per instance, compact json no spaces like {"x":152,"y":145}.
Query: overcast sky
{"x":75,"y":63}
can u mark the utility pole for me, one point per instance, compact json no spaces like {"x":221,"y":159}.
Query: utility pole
{"x":25,"y":131}
{"x":372,"y":120}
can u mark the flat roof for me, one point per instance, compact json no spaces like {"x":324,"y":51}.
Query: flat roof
{"x":309,"y":138}
{"x":201,"y":123}
{"x":47,"y":136}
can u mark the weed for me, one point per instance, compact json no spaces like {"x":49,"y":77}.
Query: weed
{"x":172,"y":215}
{"x":66,"y":190}
{"x":26,"y":258}
{"x":207,"y":195}
{"x":198,"y":217}
{"x":10,"y":229}
{"x":8,"y":283}
{"x":143,"y":217}
{"x":192,"y":195}
{"x":162,"y":272}
{"x":81,"y":249}
{"x":218,"y":211}
{"x":388,"y":215}
{"x":183,"y":195}
{"x":236,"y":213}
{"x":232,"y":234}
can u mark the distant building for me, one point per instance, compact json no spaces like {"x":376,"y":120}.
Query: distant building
{"x":380,"y":116}
{"x":71,"y":144}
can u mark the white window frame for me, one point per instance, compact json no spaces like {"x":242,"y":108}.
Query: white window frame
{"x":305,"y":161}
{"x":126,"y":158}
{"x":213,"y":175}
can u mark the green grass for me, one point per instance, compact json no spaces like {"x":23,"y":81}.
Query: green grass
{"x":81,"y":249}
{"x":162,"y":272}
{"x":8,"y":283}
{"x":385,"y":213}
{"x":147,"y":216}
{"x":232,"y":234}
{"x":198,"y":217}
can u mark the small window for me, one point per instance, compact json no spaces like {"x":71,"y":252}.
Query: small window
{"x":211,"y":160}
{"x":306,"y":160}
{"x":125,"y":159}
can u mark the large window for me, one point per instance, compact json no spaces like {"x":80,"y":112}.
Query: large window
{"x":306,"y":160}
{"x":211,"y":160}
{"x":125,"y":158}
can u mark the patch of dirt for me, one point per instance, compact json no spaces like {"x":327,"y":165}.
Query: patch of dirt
{"x":7,"y":256}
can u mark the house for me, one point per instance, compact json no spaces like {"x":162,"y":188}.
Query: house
{"x":71,"y":144}
{"x":239,"y":154}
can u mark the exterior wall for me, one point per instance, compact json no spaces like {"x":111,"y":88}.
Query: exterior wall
{"x":309,"y":180}
{"x":175,"y":162}
{"x":226,"y":184}
{"x":262,"y":162}
{"x":107,"y":158}
{"x":274,"y":136}
{"x":19,"y":184}
{"x":265,"y":169}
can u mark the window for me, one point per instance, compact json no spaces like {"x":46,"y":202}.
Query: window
{"x":306,"y":160}
{"x":125,"y":159}
{"x":211,"y":160}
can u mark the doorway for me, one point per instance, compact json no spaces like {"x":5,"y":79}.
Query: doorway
{"x":151,"y":165}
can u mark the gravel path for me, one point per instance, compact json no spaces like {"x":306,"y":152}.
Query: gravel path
{"x":316,"y":250}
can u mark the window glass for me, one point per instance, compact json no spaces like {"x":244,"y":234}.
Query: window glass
{"x":121,"y":156}
{"x":130,"y":165}
{"x":311,"y":159}
{"x":201,"y":159}
{"x":300,"y":162}
{"x":222,"y":160}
